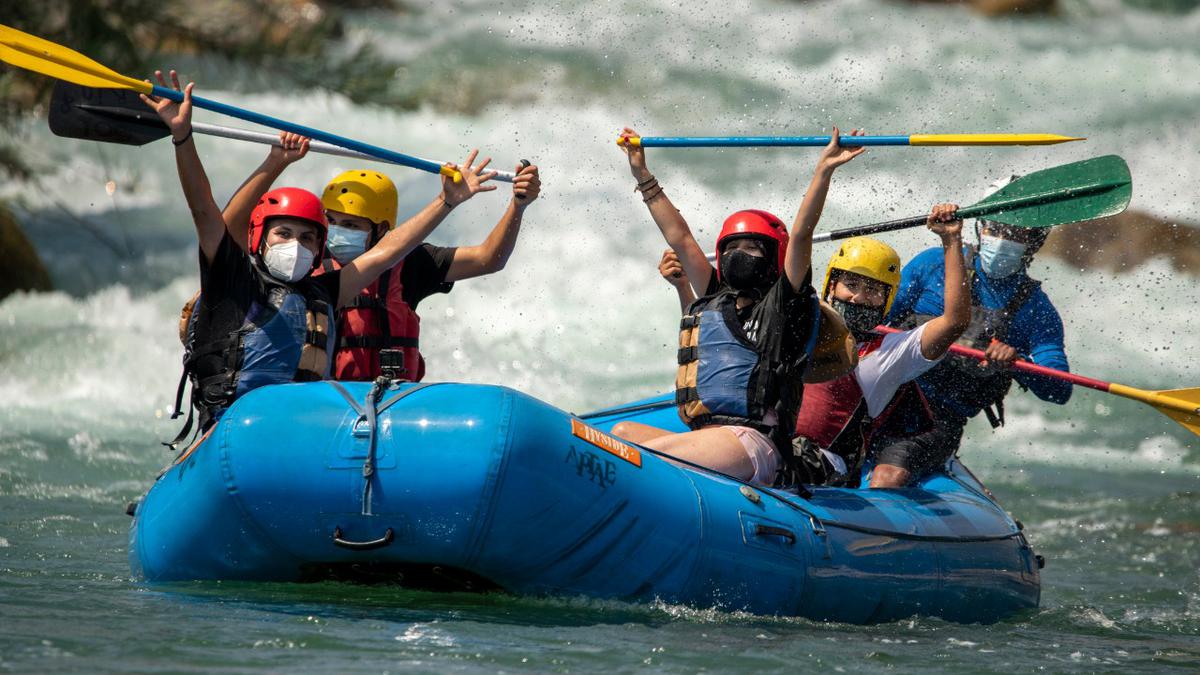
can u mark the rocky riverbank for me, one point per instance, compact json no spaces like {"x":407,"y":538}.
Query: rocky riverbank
{"x":1125,"y":241}
{"x":20,"y":267}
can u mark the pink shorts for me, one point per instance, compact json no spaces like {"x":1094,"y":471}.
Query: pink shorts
{"x":763,"y":455}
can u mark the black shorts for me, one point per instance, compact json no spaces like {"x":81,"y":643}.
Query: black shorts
{"x":926,"y":451}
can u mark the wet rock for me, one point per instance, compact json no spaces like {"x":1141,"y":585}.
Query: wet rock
{"x":20,"y":267}
{"x":1125,"y":241}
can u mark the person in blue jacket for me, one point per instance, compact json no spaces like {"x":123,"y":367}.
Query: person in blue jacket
{"x":1011,"y":317}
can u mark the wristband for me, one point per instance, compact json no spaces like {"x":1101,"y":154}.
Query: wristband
{"x":183,"y":140}
{"x":647,"y":198}
{"x":646,"y":187}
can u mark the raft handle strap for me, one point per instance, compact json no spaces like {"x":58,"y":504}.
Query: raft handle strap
{"x":368,"y":414}
{"x":388,"y":537}
{"x":368,"y":470}
{"x":392,"y":401}
{"x":761,"y":530}
{"x":362,"y":414}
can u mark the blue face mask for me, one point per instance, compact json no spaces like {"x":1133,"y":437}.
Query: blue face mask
{"x":345,"y":244}
{"x":1000,"y":258}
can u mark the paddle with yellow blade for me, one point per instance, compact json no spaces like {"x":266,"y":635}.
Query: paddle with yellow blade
{"x":1181,"y":405}
{"x":846,"y":141}
{"x":48,"y":58}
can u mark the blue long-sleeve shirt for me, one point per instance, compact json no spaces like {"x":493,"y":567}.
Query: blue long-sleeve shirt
{"x":1036,"y":331}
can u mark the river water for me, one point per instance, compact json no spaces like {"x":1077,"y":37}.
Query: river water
{"x":1107,"y":488}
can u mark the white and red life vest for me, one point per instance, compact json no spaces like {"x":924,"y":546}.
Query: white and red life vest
{"x":833,"y":414}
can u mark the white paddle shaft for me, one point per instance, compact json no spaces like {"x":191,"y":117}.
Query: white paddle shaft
{"x":314,"y":146}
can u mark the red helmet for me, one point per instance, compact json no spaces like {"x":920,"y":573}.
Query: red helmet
{"x":754,"y":224}
{"x":292,"y":203}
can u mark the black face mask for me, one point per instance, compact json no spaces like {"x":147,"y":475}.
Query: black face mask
{"x":860,"y":319}
{"x":745,"y":272}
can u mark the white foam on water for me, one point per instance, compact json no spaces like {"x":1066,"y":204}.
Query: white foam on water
{"x":104,"y":361}
{"x":580,"y":316}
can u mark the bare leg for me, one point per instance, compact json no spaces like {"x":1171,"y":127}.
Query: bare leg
{"x":715,"y":447}
{"x":636,"y":432}
{"x":889,"y":476}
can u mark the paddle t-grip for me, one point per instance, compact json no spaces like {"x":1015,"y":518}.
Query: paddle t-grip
{"x":524,"y":163}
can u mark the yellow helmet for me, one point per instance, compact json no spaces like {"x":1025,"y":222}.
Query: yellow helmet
{"x":869,"y":258}
{"x":365,"y":193}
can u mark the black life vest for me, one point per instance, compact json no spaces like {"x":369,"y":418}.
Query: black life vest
{"x":972,"y":385}
{"x":286,"y":336}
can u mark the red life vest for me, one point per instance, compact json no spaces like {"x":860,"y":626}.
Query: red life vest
{"x":378,"y":318}
{"x":833,"y":412}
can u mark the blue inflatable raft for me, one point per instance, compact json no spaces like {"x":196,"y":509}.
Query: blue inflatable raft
{"x":482,"y":487}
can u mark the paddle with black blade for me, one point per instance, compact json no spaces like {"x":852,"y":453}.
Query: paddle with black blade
{"x":1094,"y":188}
{"x":119,"y":116}
{"x":33,"y":53}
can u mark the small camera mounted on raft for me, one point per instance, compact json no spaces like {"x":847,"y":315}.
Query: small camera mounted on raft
{"x":391,"y":364}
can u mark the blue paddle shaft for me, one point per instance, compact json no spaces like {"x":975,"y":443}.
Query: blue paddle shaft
{"x":317,"y":134}
{"x":765,"y":141}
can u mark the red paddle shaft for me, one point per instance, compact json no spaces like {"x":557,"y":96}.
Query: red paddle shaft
{"x":1023,"y":366}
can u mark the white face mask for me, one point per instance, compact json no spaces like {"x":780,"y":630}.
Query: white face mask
{"x":288,"y":262}
{"x":346,"y":244}
{"x":1000,"y":258}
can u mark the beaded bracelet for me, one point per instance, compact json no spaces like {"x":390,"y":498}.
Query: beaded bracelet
{"x":647,"y":186}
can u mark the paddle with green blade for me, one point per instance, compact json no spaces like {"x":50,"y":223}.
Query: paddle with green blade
{"x":48,"y":58}
{"x":1094,"y":188}
{"x":119,"y":116}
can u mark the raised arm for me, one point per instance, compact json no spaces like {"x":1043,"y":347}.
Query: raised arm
{"x":670,"y":222}
{"x":396,"y":244}
{"x":672,"y":271}
{"x":493,"y":254}
{"x":942,"y":331}
{"x":237,"y":212}
{"x":799,"y":254}
{"x":196,"y":189}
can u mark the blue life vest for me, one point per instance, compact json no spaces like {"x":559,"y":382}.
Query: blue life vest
{"x":977,"y":388}
{"x":288,"y":335}
{"x":726,"y":378}
{"x":293,"y":344}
